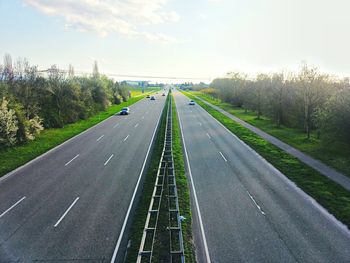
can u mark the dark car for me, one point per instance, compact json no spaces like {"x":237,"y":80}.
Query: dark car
{"x":163,"y":94}
{"x":153,"y":98}
{"x":192,"y":102}
{"x":125,"y":111}
{"x":148,"y":96}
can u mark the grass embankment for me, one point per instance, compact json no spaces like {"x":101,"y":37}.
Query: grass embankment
{"x":13,"y":157}
{"x":139,"y":218}
{"x":336,"y":155}
{"x":182,"y":188}
{"x":330,"y":195}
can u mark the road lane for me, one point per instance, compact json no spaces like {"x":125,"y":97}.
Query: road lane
{"x":250,"y":212}
{"x":90,"y":229}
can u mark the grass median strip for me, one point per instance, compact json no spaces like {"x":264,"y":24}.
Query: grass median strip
{"x":330,"y":195}
{"x":14,"y":157}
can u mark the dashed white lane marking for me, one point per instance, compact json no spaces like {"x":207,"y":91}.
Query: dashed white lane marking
{"x":65,"y":213}
{"x":223,"y":157}
{"x":126,"y":138}
{"x":200,"y":124}
{"x":99,"y":138}
{"x":110,"y":157}
{"x":115,"y":125}
{"x":72,"y":160}
{"x":136,"y":125}
{"x":208,"y":136}
{"x":251,"y":197}
{"x":142,"y":117}
{"x":13,"y":206}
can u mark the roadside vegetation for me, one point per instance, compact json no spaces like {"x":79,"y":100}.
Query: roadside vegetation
{"x":31,"y":101}
{"x":330,"y":195}
{"x":308,"y":110}
{"x":39,"y":112}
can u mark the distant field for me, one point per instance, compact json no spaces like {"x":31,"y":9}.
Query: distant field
{"x":13,"y":157}
{"x":138,"y":91}
{"x":334,"y":155}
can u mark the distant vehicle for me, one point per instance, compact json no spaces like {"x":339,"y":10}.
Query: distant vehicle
{"x":163,"y":94}
{"x":148,"y":96}
{"x":153,"y":98}
{"x":192,"y":102}
{"x":125,"y":111}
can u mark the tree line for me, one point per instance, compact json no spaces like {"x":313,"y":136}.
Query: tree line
{"x":31,"y":101}
{"x":307,"y":100}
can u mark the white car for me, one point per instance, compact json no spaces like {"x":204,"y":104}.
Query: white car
{"x":192,"y":102}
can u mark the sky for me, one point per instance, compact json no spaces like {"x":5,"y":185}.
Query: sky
{"x":199,"y":39}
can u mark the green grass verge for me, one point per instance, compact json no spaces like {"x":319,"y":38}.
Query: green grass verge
{"x":13,"y":157}
{"x":182,"y":189}
{"x":141,"y":211}
{"x":330,"y":195}
{"x":336,"y":155}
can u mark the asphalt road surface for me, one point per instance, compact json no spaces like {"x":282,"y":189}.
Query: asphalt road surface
{"x":71,"y":204}
{"x":247,"y":210}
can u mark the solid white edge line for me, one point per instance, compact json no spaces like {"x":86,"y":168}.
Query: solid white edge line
{"x":65,"y":213}
{"x":6,"y":176}
{"x":223,"y":157}
{"x":99,"y":138}
{"x":289,"y":182}
{"x":126,"y":137}
{"x":194,"y":194}
{"x":9,"y":209}
{"x":115,"y":253}
{"x":110,"y":157}
{"x":72,"y":159}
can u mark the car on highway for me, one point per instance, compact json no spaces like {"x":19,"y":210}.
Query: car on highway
{"x":125,"y":111}
{"x":153,"y":98}
{"x":163,"y":94}
{"x":192,"y":102}
{"x":148,"y":96}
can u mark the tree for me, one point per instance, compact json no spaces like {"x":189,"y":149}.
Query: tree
{"x":70,"y":71}
{"x":95,"y":72}
{"x":8,"y":124}
{"x":312,"y":92}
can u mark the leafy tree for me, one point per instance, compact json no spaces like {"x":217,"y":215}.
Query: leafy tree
{"x":8,"y":124}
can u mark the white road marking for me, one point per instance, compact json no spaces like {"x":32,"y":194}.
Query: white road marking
{"x":251,"y":197}
{"x":134,"y":194}
{"x":72,"y":159}
{"x":8,"y":210}
{"x":200,"y":124}
{"x":143,"y":117}
{"x":99,"y":138}
{"x":136,"y":125}
{"x":206,"y":250}
{"x":65,"y":213}
{"x":126,"y":138}
{"x":110,"y":157}
{"x":223,"y":156}
{"x":115,"y":125}
{"x":208,"y":136}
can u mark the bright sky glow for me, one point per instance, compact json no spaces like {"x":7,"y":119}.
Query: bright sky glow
{"x":196,"y":38}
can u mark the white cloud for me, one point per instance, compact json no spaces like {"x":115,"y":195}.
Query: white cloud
{"x":104,"y":17}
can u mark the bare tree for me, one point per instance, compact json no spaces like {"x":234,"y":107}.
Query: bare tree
{"x":70,"y":71}
{"x":95,"y":72}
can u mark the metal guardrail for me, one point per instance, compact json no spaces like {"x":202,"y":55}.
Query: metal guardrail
{"x":164,"y":187}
